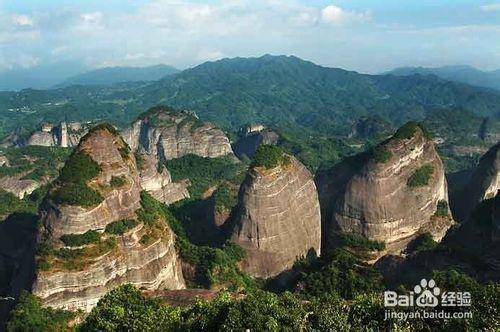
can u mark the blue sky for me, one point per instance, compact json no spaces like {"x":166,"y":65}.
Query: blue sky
{"x":367,"y":36}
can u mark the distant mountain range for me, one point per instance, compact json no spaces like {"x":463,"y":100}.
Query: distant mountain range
{"x":113,"y":75}
{"x":464,"y":74}
{"x":66,"y":74}
{"x":280,"y":91}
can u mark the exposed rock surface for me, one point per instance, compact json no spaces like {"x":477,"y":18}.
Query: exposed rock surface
{"x":150,"y":263}
{"x":159,"y":182}
{"x":483,"y":184}
{"x":278,"y":218}
{"x":18,"y":186}
{"x":168,"y":134}
{"x":248,"y":144}
{"x":63,"y":135}
{"x":162,"y":134}
{"x":378,"y":202}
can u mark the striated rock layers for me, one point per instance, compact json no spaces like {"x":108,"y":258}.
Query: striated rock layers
{"x":278,"y":218}
{"x":81,"y":257}
{"x":169,"y":134}
{"x":156,"y":180}
{"x":483,"y":184}
{"x":162,"y":134}
{"x":394,"y":194}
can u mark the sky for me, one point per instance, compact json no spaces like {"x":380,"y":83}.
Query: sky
{"x":368,"y":36}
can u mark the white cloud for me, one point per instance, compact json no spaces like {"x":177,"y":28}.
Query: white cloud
{"x":22,"y":20}
{"x":335,"y":15}
{"x":92,"y":18}
{"x":494,"y":7}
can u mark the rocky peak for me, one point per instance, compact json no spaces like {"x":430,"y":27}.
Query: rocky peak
{"x":278,"y":218}
{"x":95,"y":235}
{"x":170,"y":134}
{"x":162,"y":134}
{"x":483,"y":184}
{"x":398,"y":191}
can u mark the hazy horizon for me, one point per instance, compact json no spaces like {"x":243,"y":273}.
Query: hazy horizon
{"x":365,"y":36}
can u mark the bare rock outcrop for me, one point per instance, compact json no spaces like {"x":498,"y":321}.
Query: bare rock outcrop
{"x":278,"y":218}
{"x":483,"y":184}
{"x":163,"y":134}
{"x":169,"y":134}
{"x":398,"y":192}
{"x":62,"y":135}
{"x":156,"y":180}
{"x":73,"y":271}
{"x":18,"y":186}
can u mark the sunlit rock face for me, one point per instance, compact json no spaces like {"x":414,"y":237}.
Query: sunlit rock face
{"x":143,"y":255}
{"x":483,"y":184}
{"x":379,"y":203}
{"x":168,"y":134}
{"x":279,"y":218}
{"x":162,"y":134}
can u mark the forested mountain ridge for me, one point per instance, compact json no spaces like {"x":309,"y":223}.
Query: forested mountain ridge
{"x":309,"y":104}
{"x":464,"y":74}
{"x":113,"y":75}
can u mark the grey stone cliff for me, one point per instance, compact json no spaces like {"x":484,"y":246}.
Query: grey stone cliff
{"x":279,"y":218}
{"x":378,"y":203}
{"x":150,"y":265}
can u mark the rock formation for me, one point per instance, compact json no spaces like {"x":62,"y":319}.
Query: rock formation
{"x":248,"y":144}
{"x":163,"y":134}
{"x":75,"y":275}
{"x":63,"y":135}
{"x":18,"y":186}
{"x":278,"y":219}
{"x":169,"y":134}
{"x":158,"y":182}
{"x":483,"y":184}
{"x":395,"y":193}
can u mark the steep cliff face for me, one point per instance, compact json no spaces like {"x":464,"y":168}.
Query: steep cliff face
{"x":278,"y":218}
{"x":63,"y":135}
{"x":247,"y":145}
{"x":162,"y":134}
{"x":396,"y":193}
{"x":156,"y":180}
{"x":101,"y":238}
{"x":483,"y":184}
{"x":168,"y":134}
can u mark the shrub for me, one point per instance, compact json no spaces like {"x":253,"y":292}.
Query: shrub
{"x":406,"y":131}
{"x":117,"y":181}
{"x":30,"y":315}
{"x":421,"y":243}
{"x":421,"y":176}
{"x":79,"y":168}
{"x":442,"y":209}
{"x":225,"y":198}
{"x":203,"y":173}
{"x":381,"y":154}
{"x":124,"y":151}
{"x":269,"y":156}
{"x":76,"y":240}
{"x":76,"y":194}
{"x":72,"y":186}
{"x":359,"y":242}
{"x":119,"y":227}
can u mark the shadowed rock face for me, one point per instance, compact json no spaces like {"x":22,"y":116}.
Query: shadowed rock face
{"x":378,"y":203}
{"x":483,"y":184}
{"x":170,"y":135}
{"x":151,"y":265}
{"x":279,"y":218}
